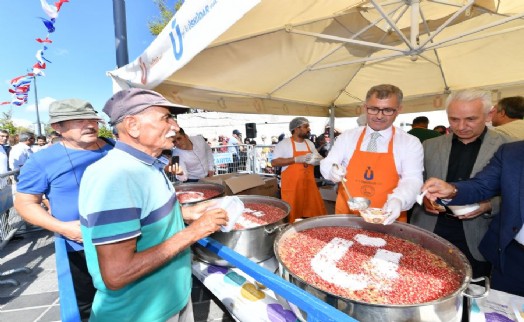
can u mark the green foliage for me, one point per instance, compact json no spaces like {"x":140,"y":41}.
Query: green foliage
{"x":156,"y":24}
{"x":6,"y":123}
{"x":105,"y":132}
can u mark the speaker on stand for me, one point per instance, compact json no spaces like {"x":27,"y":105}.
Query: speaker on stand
{"x":251,"y":130}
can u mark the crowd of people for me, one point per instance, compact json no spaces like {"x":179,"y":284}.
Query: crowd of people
{"x":121,"y":248}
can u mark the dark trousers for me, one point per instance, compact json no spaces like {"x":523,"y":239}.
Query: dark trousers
{"x":82,"y":283}
{"x":512,"y":279}
{"x":233,"y":167}
{"x":452,"y":230}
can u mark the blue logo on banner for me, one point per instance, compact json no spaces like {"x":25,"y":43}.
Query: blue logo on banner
{"x":223,"y":158}
{"x":369,"y":174}
{"x":178,"y":52}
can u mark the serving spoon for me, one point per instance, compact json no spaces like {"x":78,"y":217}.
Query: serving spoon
{"x":355,"y":203}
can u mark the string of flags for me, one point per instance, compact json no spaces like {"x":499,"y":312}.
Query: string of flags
{"x":20,"y":85}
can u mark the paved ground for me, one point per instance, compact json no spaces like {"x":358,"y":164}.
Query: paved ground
{"x":35,"y":298}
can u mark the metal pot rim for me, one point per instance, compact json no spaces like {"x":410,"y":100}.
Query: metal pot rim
{"x":187,"y":186}
{"x":354,"y":218}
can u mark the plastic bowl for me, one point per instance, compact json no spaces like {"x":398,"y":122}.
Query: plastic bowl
{"x":462,"y":210}
{"x":374,"y":215}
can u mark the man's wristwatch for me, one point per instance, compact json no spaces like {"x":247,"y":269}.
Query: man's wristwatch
{"x":454,"y":193}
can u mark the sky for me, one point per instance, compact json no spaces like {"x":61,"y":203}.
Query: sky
{"x":83,"y":50}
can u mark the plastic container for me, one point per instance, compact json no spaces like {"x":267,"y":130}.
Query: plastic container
{"x":374,"y":215}
{"x":462,"y":210}
{"x":234,"y":208}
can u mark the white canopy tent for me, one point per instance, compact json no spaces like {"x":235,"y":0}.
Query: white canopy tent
{"x":302,"y":57}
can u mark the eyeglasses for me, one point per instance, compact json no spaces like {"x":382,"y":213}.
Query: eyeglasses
{"x":388,"y":111}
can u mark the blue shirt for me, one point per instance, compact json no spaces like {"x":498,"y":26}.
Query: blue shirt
{"x":127,"y":195}
{"x":56,"y":172}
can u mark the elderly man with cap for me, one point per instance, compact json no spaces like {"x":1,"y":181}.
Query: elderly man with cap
{"x":297,"y":156}
{"x":56,"y":173}
{"x":379,"y":161}
{"x":135,"y":234}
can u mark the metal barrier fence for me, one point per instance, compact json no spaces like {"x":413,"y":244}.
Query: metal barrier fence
{"x":244,"y":158}
{"x":10,"y":222}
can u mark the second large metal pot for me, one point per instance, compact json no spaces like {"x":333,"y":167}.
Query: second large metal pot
{"x":254,"y":243}
{"x":446,"y":309}
{"x":218,"y":190}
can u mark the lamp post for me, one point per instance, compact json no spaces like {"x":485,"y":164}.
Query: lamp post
{"x":39,"y":130}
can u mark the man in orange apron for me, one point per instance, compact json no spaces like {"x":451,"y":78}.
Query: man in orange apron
{"x":297,"y":155}
{"x":379,"y":161}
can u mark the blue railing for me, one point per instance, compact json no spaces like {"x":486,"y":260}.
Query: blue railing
{"x":316,"y":309}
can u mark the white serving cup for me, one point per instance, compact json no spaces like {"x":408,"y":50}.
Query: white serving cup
{"x":465,"y":209}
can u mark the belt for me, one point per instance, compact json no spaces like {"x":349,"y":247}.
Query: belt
{"x":450,"y":216}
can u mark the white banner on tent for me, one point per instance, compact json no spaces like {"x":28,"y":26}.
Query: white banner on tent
{"x":192,"y":29}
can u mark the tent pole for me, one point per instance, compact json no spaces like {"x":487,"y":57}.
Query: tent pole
{"x":119,"y":19}
{"x":332,"y":125}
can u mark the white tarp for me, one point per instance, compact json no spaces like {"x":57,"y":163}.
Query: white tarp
{"x":194,"y":26}
{"x":301,"y":57}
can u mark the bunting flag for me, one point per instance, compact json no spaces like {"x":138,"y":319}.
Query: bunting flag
{"x":21,"y":85}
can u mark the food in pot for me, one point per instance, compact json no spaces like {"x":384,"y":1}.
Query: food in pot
{"x":189,"y":196}
{"x":258,"y":214}
{"x":196,"y":195}
{"x":367,"y":266}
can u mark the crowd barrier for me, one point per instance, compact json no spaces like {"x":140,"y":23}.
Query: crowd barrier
{"x":249,"y":159}
{"x":10,"y":223}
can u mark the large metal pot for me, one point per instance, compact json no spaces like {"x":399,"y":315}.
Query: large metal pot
{"x":196,"y":186}
{"x":446,"y":309}
{"x":255,"y":243}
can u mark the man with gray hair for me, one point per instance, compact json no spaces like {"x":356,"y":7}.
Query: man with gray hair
{"x":456,"y":157}
{"x":378,"y":161}
{"x":134,"y":230}
{"x":297,"y":156}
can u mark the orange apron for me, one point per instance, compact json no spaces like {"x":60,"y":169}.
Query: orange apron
{"x":372,"y":175}
{"x":299,"y":189}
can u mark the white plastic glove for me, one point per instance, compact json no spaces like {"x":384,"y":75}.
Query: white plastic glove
{"x":393,"y":206}
{"x":337,"y":173}
{"x":315,"y":159}
{"x":303,"y":158}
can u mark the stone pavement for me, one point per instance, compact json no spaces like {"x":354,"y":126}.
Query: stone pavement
{"x":35,"y":298}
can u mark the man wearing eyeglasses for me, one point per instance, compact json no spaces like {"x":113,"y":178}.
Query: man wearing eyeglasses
{"x":380,"y":162}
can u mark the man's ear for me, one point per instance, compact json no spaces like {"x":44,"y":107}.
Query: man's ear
{"x":57,"y":127}
{"x":132,"y":126}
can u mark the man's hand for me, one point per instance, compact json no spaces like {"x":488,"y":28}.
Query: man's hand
{"x":337,"y":173}
{"x":209,"y":222}
{"x":432,"y":206}
{"x":393,"y":206}
{"x":484,"y":206}
{"x":315,"y":159}
{"x":71,"y":230}
{"x":437,"y":188}
{"x":303,"y":158}
{"x":210,"y":173}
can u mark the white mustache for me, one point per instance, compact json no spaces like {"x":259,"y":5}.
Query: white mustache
{"x":170,"y":134}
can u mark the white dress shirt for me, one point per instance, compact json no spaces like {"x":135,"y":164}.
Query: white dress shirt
{"x":196,"y":162}
{"x":407,"y":151}
{"x":19,"y":155}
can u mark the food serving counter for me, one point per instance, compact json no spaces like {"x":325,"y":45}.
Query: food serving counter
{"x":242,"y":296}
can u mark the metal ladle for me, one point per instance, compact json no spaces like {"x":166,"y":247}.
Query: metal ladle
{"x":355,"y":203}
